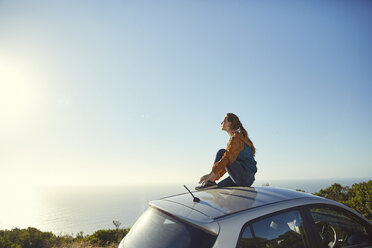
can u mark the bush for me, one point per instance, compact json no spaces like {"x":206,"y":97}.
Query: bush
{"x":25,"y":238}
{"x":6,"y":243}
{"x":105,"y":237}
{"x":358,"y":197}
{"x":33,"y":238}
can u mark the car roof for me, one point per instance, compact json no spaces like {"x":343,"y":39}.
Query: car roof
{"x":216,"y":203}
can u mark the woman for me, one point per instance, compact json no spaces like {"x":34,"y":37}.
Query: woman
{"x":238,"y":159}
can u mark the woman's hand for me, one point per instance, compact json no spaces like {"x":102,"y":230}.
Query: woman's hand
{"x":211,"y":177}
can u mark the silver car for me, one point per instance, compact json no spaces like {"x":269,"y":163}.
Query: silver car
{"x":248,"y":217}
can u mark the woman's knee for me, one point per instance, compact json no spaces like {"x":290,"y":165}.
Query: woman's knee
{"x":219,"y":155}
{"x":221,"y":152}
{"x":251,"y":179}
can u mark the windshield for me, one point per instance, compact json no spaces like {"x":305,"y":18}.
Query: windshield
{"x":158,"y":230}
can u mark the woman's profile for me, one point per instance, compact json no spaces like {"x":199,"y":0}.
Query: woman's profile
{"x":237,"y":160}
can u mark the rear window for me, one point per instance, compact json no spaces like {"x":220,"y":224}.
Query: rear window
{"x":158,"y":230}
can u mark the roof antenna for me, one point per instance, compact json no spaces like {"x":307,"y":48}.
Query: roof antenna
{"x":196,"y":199}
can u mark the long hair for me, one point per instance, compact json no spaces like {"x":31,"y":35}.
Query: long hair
{"x":237,"y":126}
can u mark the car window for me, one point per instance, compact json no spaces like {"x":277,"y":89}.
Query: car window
{"x":246,"y":239}
{"x":338,"y":228}
{"x":156,"y":229}
{"x":281,"y":230}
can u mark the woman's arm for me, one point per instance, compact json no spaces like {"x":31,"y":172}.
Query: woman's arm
{"x":234,"y":147}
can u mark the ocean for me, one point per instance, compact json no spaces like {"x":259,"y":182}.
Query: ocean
{"x":69,"y":210}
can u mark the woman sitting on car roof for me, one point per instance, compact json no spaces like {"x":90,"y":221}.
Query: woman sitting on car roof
{"x":238,"y":159}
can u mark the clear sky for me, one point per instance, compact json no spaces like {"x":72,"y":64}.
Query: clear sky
{"x":123,"y":92}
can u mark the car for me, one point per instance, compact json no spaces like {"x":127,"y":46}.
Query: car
{"x":246,"y":217}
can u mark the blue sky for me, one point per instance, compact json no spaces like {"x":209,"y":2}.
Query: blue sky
{"x":123,"y":92}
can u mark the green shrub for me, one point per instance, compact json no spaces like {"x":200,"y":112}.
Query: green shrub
{"x":105,"y":237}
{"x":33,"y":238}
{"x":25,"y":238}
{"x":334,"y":192}
{"x":358,"y":197}
{"x":6,"y":243}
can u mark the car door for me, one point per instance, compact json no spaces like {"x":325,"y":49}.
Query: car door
{"x":284,"y":229}
{"x":337,"y":227}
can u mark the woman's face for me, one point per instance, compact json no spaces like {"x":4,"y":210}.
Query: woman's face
{"x":225,"y":124}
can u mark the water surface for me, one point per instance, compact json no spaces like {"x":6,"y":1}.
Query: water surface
{"x":69,"y":210}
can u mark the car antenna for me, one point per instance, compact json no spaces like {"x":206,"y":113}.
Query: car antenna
{"x":196,"y":199}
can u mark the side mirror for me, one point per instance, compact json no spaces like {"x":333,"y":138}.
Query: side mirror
{"x":356,"y":238}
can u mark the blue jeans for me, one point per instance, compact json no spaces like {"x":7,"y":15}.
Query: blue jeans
{"x":238,"y":174}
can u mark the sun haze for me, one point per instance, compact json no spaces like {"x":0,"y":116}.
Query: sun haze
{"x":133,"y":92}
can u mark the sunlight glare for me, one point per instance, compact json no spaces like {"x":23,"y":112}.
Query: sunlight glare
{"x":19,"y":89}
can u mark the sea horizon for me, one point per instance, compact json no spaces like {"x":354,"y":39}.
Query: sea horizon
{"x":74,"y":209}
